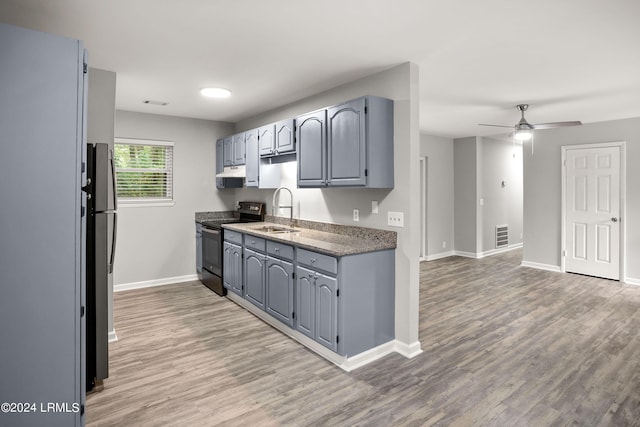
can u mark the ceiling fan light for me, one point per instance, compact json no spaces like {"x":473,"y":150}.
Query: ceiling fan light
{"x":523,"y":135}
{"x":215,"y":92}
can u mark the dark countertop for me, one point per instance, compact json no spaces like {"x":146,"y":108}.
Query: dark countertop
{"x":320,"y":241}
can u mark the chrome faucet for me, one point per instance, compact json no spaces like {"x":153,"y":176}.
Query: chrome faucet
{"x":275,"y":208}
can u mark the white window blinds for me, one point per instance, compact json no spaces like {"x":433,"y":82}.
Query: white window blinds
{"x":144,"y":170}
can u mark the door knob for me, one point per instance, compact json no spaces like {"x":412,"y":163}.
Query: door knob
{"x":614,"y":219}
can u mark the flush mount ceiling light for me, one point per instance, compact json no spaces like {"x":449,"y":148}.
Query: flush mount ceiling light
{"x":215,"y":92}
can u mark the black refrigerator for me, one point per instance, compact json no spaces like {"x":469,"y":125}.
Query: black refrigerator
{"x":102,"y":224}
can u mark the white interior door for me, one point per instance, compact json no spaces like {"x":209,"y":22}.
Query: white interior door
{"x":592,"y":207}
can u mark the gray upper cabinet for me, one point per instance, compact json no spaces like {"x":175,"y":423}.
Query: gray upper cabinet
{"x":228,"y":151}
{"x":277,"y":139}
{"x":239,"y":149}
{"x":267,"y":139}
{"x":285,"y":138}
{"x":347,"y":145}
{"x":252,"y":158}
{"x":224,"y":182}
{"x":234,"y":150}
{"x":312,"y":146}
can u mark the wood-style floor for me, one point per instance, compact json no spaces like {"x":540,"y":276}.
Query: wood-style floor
{"x":503,"y":345}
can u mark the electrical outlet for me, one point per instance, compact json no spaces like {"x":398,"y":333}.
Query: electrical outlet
{"x":356,"y":215}
{"x":444,"y":245}
{"x":374,"y":206}
{"x":395,"y":219}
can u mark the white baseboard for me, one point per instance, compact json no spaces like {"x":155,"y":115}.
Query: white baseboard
{"x":155,"y":282}
{"x":539,"y":266}
{"x":466,"y":254}
{"x":112,"y":336}
{"x":632,"y":281}
{"x":346,"y":363}
{"x":408,"y":350}
{"x":441,"y":255}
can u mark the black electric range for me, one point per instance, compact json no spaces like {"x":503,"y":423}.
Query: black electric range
{"x":213,"y":241}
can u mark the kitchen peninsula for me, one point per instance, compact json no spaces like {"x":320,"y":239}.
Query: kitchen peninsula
{"x":330,"y":287}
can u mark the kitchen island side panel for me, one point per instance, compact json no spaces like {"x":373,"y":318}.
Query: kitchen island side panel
{"x":366,"y":302}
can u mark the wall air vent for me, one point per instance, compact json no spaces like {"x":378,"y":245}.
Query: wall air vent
{"x":502,"y":236}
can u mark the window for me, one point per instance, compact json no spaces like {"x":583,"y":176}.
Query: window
{"x":144,"y":170}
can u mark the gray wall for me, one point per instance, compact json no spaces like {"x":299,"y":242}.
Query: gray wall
{"x":157,"y":242}
{"x":440,"y":193}
{"x":336,"y":205}
{"x":101,"y":112}
{"x":501,"y":161}
{"x":543,"y":183}
{"x":464,"y":189}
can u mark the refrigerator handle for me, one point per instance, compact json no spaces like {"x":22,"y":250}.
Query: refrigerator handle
{"x":113,"y":180}
{"x":113,"y":241}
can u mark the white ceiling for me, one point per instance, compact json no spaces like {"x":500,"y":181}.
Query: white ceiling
{"x":569,"y":59}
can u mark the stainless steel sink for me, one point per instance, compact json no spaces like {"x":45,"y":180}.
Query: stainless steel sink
{"x":276,"y":229}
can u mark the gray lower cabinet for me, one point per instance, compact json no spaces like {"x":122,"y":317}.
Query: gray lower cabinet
{"x":254,"y":277}
{"x":279,"y":285}
{"x":232,"y":268}
{"x":317,"y":304}
{"x":347,"y":145}
{"x":345,"y":303}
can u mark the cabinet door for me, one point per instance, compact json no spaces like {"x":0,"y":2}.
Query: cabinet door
{"x":238,"y":149}
{"x":326,"y":306}
{"x":227,"y":151}
{"x":311,"y":136}
{"x":346,"y":144}
{"x":266,"y":137}
{"x":280,"y":290}
{"x":232,"y":268}
{"x":284,"y":137}
{"x":253,"y":158}
{"x":254,"y":265}
{"x":219,"y":162}
{"x":305,"y":302}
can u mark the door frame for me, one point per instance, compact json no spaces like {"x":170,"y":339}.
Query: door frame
{"x":623,"y":205}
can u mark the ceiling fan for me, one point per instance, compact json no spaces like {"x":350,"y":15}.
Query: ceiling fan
{"x":523,"y":129}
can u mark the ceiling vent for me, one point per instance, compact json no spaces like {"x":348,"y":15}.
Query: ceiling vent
{"x":160,"y":103}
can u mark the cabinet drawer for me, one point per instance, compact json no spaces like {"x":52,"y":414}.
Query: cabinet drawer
{"x":280,"y":250}
{"x":317,"y":261}
{"x":255,"y":243}
{"x":233,"y":236}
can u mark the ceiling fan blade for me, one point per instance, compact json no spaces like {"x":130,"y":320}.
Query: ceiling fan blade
{"x":556,"y":125}
{"x":495,"y":126}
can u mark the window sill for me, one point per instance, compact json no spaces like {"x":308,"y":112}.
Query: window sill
{"x":146,"y":204}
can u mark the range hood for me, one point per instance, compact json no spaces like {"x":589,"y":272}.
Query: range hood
{"x":233,"y":172}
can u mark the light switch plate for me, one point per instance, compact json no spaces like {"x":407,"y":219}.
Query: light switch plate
{"x":395,"y":219}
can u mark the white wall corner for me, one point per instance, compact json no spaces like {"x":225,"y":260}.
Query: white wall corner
{"x":408,"y":350}
{"x":632,"y":281}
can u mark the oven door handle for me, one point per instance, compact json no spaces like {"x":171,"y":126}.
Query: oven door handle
{"x":210,"y":231}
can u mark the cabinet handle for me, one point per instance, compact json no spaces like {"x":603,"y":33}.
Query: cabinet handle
{"x":312,"y":260}
{"x":276,"y":249}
